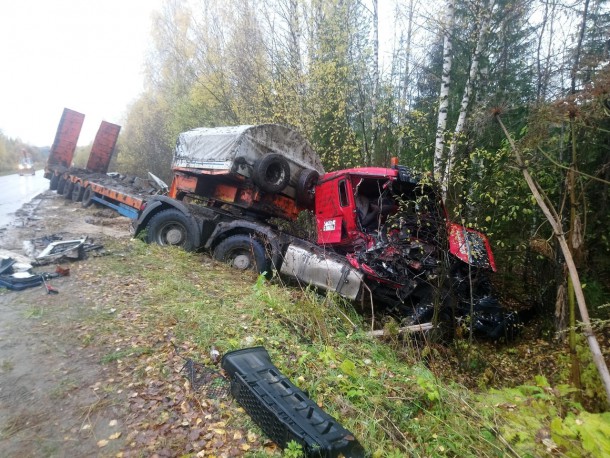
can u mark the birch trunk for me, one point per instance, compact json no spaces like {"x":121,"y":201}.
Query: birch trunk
{"x":474,"y":69}
{"x":375,"y":78}
{"x":441,"y":126}
{"x":405,"y":95}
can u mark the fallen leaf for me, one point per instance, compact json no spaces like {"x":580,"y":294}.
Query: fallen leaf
{"x":113,"y":423}
{"x":115,"y":436}
{"x":102,"y":443}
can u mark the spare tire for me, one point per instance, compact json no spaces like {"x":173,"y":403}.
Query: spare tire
{"x":271,"y":173}
{"x":308,"y":178}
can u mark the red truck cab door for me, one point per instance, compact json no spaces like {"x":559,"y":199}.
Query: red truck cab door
{"x":335,"y":210}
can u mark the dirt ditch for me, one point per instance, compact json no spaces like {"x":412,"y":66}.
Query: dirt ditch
{"x":53,"y":400}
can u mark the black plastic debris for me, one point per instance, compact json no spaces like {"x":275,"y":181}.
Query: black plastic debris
{"x":209,"y":382}
{"x":19,"y":284}
{"x":17,"y":276}
{"x":6,"y":265}
{"x":282,"y":410}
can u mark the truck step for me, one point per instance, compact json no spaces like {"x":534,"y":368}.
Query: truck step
{"x":282,"y":410}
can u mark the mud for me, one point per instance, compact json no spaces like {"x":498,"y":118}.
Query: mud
{"x":55,"y":396}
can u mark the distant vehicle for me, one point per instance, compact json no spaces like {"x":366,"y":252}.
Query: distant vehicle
{"x":26,"y":167}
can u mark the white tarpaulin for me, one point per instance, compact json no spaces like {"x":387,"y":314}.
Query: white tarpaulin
{"x":235,"y":149}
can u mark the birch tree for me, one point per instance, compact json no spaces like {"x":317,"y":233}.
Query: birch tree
{"x":443,"y":107}
{"x":484,"y":25}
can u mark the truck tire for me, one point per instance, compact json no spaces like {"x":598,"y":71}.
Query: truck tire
{"x":53,"y":182}
{"x":271,"y":173}
{"x":67,"y":191}
{"x":88,"y":196}
{"x":172,"y":227}
{"x":61,"y":182}
{"x":242,"y":252}
{"x":77,"y":192}
{"x":308,"y":178}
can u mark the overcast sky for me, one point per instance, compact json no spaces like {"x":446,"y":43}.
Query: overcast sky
{"x":86,"y":55}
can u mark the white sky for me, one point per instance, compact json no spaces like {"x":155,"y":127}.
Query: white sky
{"x":86,"y":55}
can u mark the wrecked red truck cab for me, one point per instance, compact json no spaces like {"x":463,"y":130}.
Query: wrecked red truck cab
{"x":353,"y":206}
{"x":392,"y":227}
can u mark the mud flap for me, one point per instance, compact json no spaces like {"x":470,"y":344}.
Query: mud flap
{"x":282,"y":410}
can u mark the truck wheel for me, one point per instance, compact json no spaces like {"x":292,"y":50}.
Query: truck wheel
{"x":242,"y":252}
{"x":88,"y":196}
{"x":68,"y":189}
{"x":308,"y":178}
{"x":172,"y":227}
{"x":53,"y":182}
{"x":61,"y":182}
{"x":77,"y":192}
{"x":271,"y":173}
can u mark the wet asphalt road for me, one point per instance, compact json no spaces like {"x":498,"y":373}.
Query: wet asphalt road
{"x":17,"y":190}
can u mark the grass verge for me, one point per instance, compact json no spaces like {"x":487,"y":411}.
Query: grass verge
{"x":382,"y":391}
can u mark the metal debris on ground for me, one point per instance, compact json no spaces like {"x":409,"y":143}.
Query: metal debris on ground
{"x":69,"y":248}
{"x":210,"y":382}
{"x":52,"y":248}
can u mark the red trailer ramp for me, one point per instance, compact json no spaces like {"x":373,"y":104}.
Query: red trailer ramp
{"x":103,"y":147}
{"x":64,"y":145}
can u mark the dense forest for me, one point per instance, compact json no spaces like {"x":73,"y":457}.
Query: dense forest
{"x":426,"y":82}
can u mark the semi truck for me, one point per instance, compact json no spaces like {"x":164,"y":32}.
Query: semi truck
{"x":383,"y":235}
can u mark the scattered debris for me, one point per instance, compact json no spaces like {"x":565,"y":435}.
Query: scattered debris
{"x":6,"y":264}
{"x":50,"y":289}
{"x":404,"y":330}
{"x":18,"y":276}
{"x":52,"y":248}
{"x":71,"y":249}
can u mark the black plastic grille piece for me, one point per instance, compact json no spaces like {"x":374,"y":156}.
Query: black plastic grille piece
{"x":282,"y":410}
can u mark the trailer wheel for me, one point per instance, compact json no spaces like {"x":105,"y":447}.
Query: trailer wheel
{"x":77,"y":192}
{"x":88,"y":196}
{"x":67,"y":191}
{"x":53,"y":182}
{"x":242,"y":252}
{"x":271,"y":173}
{"x":172,"y":227}
{"x":61,"y":182}
{"x":308,"y":178}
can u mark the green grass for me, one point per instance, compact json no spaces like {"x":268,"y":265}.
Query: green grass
{"x":381,"y":391}
{"x":126,"y":353}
